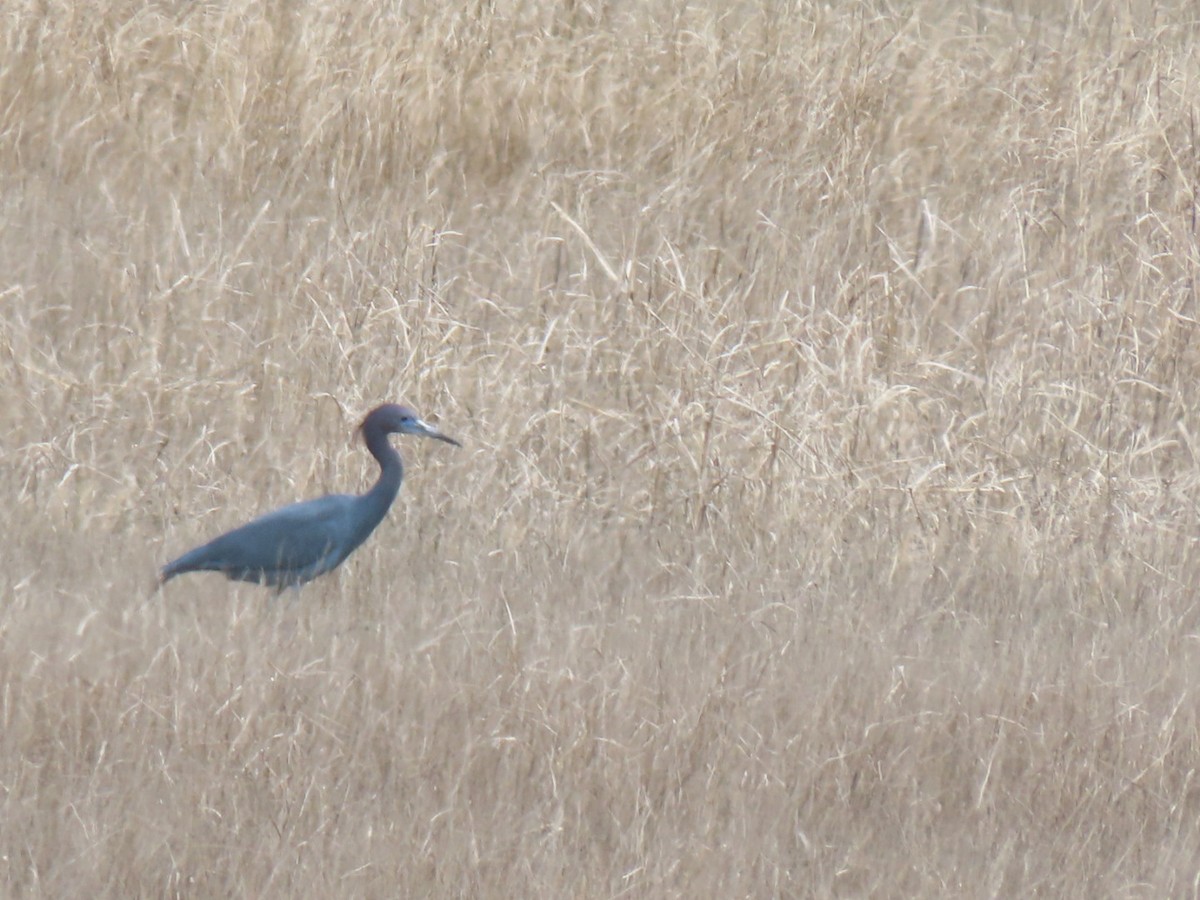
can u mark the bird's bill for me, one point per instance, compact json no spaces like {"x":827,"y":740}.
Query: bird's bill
{"x":429,"y":431}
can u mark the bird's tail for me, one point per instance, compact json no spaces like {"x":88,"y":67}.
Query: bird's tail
{"x":157,"y":585}
{"x":169,"y":571}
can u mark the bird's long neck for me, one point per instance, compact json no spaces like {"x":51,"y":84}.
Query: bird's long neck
{"x":378,"y":499}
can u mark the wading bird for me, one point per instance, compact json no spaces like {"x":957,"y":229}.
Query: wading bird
{"x":295,"y":544}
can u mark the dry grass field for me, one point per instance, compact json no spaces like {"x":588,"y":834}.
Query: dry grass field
{"x":827,"y":519}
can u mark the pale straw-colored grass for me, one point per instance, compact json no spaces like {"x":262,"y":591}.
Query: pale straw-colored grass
{"x":827,"y":521}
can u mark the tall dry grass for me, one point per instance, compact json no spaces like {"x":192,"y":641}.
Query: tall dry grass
{"x":827,"y":524}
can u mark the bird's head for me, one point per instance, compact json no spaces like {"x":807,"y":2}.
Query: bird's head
{"x":392,"y":418}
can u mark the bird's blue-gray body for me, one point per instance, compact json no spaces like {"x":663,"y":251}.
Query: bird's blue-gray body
{"x":297,"y":543}
{"x":288,"y":546}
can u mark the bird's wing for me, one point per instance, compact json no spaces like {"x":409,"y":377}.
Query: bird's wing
{"x":301,"y":541}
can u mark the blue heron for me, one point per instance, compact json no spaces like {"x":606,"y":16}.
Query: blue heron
{"x":295,"y":544}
